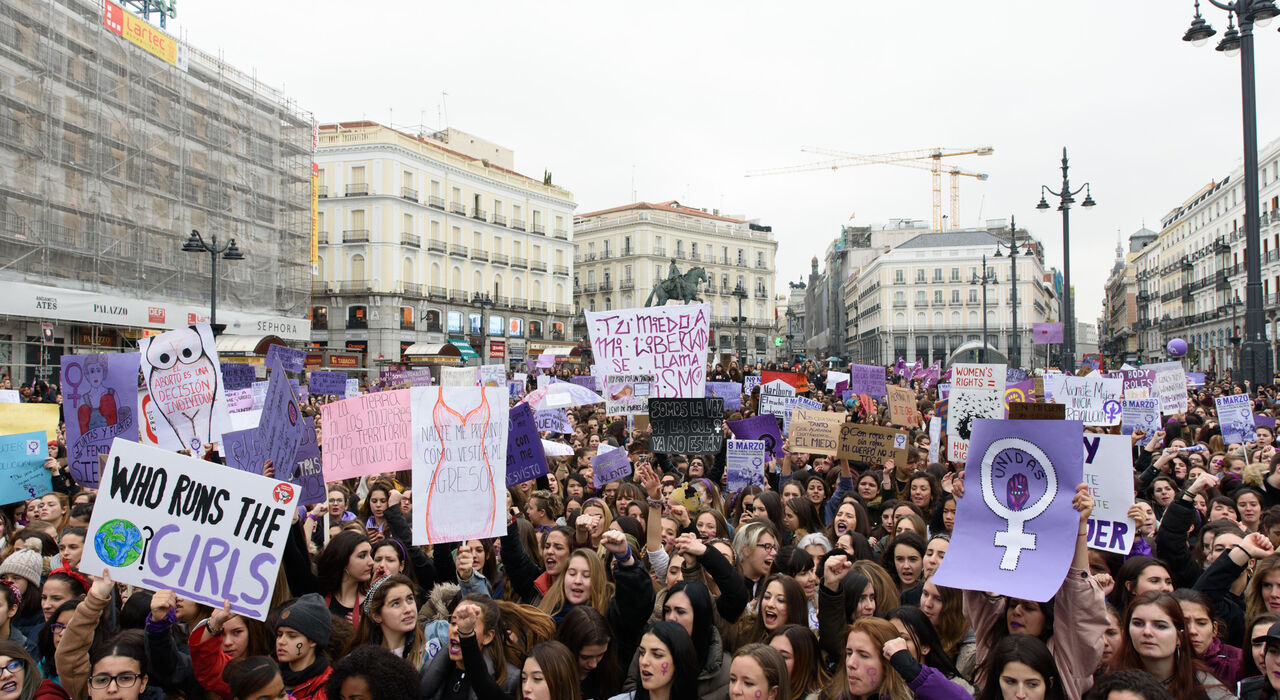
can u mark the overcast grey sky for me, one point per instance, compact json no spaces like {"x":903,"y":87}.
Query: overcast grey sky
{"x":691,"y":95}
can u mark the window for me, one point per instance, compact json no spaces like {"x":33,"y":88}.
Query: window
{"x":497,"y":324}
{"x":742,"y":257}
{"x":899,"y":276}
{"x":679,"y":248}
{"x":937,"y":274}
{"x":626,"y":245}
{"x":760,"y":259}
{"x":921,"y":298}
{"x":407,"y":318}
{"x":937,"y":296}
{"x":319,"y":318}
{"x":973,"y":296}
{"x":955,"y":296}
{"x":955,"y":274}
{"x":920,"y":277}
{"x":357,"y":317}
{"x":432,"y":319}
{"x":473,"y":323}
{"x":899,"y":298}
{"x":515,"y":328}
{"x":693,"y":249}
{"x":535,"y":330}
{"x":455,"y":322}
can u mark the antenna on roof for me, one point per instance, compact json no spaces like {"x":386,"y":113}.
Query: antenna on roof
{"x":444,"y":105}
{"x":633,"y":183}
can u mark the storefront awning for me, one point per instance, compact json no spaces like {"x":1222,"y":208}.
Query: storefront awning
{"x":468,"y":352}
{"x":558,"y":351}
{"x":246,"y":344}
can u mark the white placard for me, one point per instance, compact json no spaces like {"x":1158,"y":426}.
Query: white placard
{"x":1093,"y":400}
{"x":493,"y":375}
{"x":1171,"y":387}
{"x":459,"y":376}
{"x":1108,"y":471}
{"x":977,"y":391}
{"x":669,"y":342}
{"x":744,"y":463}
{"x":627,"y":394}
{"x":183,"y":381}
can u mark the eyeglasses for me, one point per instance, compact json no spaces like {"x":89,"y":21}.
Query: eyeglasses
{"x":768,"y":546}
{"x":57,"y":627}
{"x":14,"y":666}
{"x":122,"y":680}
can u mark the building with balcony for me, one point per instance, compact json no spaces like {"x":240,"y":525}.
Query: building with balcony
{"x":1191,"y":279}
{"x":917,"y":299}
{"x":1120,"y":332}
{"x":110,"y":154}
{"x":434,"y":238}
{"x":621,"y":253}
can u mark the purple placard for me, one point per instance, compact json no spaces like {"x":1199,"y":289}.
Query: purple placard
{"x":610,"y":466}
{"x":1009,"y":534}
{"x":1264,"y":421}
{"x":334,"y":383}
{"x":1013,"y":375}
{"x":413,"y":377}
{"x":867,"y":379}
{"x":846,"y":395}
{"x":589,"y":381}
{"x":280,"y":427}
{"x":243,"y":450}
{"x":99,"y":404}
{"x":546,"y":360}
{"x":515,"y":388}
{"x":553,"y":420}
{"x":1048,"y":333}
{"x":237,"y":375}
{"x":731,"y":392}
{"x":760,"y":428}
{"x":525,"y":459}
{"x":290,"y":359}
{"x":531,"y":363}
{"x":307,"y":473}
{"x":1195,"y":380}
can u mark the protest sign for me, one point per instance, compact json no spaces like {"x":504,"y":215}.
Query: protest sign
{"x":977,"y":391}
{"x":366,"y":434}
{"x":413,"y":377}
{"x":796,"y":380}
{"x":280,"y":427}
{"x":352,"y":388}
{"x":239,"y":400}
{"x":1017,"y":391}
{"x":1048,"y":333}
{"x":627,"y":394}
{"x":235,"y":375}
{"x":459,"y":376}
{"x":872,"y":444}
{"x":686,"y":426}
{"x":1195,"y":380}
{"x":243,"y":420}
{"x":99,"y":404}
{"x":764,"y":428}
{"x":259,"y":392}
{"x":729,"y":392}
{"x":774,"y":397}
{"x":1013,"y":375}
{"x":459,"y":463}
{"x":492,"y":375}
{"x":307,"y":473}
{"x":944,"y":391}
{"x":941,"y":406}
{"x":10,"y":396}
{"x":835,"y":379}
{"x":1235,"y":415}
{"x":867,"y":379}
{"x":183,"y":382}
{"x":244,"y":450}
{"x":669,"y":342}
{"x":1053,"y":384}
{"x":543,"y":381}
{"x":1015,"y":528}
{"x":552,"y":420}
{"x":902,"y":407}
{"x":22,"y":472}
{"x":327,"y":383}
{"x":750,"y":382}
{"x":291,"y":359}
{"x":744,"y":463}
{"x":1108,"y":470}
{"x":1140,"y":414}
{"x":515,"y":388}
{"x":935,"y":437}
{"x":1025,"y":410}
{"x":815,"y":432}
{"x":167,"y":521}
{"x":1264,"y":422}
{"x":609,"y":466}
{"x":1092,"y":400}
{"x":587,"y":381}
{"x":1136,"y":383}
{"x":1170,"y":387}
{"x":525,"y":459}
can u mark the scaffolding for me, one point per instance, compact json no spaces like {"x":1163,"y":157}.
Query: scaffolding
{"x":110,"y":156}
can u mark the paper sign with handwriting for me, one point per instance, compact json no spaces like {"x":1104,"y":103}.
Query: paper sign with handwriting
{"x":977,"y":391}
{"x":815,"y":432}
{"x":627,"y":394}
{"x":237,"y":375}
{"x":366,"y":434}
{"x":331,"y":383}
{"x":669,"y":342}
{"x":1108,"y":470}
{"x":526,"y":460}
{"x":744,"y":463}
{"x":459,"y":376}
{"x":609,"y":466}
{"x":1170,"y":387}
{"x":1092,"y":400}
{"x":492,"y":375}
{"x":22,"y":472}
{"x":280,"y":427}
{"x":184,"y":385}
{"x":686,"y":426}
{"x":872,"y":444}
{"x":291,"y":359}
{"x":552,"y":420}
{"x":867,"y":379}
{"x":1025,"y":410}
{"x":730,"y":392}
{"x":902,"y":407}
{"x":775,"y":400}
{"x":99,"y":404}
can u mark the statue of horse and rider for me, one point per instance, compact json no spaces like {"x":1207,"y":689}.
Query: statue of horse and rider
{"x":681,"y":287}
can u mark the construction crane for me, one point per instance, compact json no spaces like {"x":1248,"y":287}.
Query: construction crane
{"x":925,"y":159}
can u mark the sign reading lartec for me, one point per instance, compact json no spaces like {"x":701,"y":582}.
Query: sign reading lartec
{"x":142,"y":34}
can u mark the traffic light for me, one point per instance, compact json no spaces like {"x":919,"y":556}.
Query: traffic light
{"x":777,"y":342}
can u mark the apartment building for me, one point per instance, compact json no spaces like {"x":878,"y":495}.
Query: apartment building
{"x":433,"y":239}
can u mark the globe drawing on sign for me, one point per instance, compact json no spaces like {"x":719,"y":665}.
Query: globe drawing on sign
{"x":118,"y":543}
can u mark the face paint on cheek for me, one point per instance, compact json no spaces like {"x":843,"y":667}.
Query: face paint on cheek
{"x":299,"y":647}
{"x":665,"y":666}
{"x":871,"y":675}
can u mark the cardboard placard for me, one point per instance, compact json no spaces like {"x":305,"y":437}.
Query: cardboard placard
{"x":744,"y":463}
{"x":22,"y":472}
{"x":291,"y":359}
{"x":330,"y":383}
{"x":99,"y":404}
{"x":1025,"y":410}
{"x":526,"y":460}
{"x":669,"y":342}
{"x":366,"y":434}
{"x":815,"y":432}
{"x":627,"y":394}
{"x":902,"y":407}
{"x":872,"y":444}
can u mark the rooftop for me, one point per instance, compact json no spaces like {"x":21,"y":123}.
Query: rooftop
{"x":951,"y":239}
{"x":670,"y":206}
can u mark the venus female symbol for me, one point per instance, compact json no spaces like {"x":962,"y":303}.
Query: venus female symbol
{"x":1018,"y":484}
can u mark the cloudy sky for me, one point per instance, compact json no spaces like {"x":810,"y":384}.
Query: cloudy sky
{"x":684,"y":98}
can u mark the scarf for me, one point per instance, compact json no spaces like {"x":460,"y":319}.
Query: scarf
{"x":293,"y":679}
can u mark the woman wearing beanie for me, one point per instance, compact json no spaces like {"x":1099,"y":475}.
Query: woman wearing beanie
{"x":301,"y":633}
{"x":24,"y":568}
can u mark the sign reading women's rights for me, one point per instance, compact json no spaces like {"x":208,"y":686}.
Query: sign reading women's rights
{"x":164,"y":520}
{"x":99,"y":404}
{"x":744,"y":463}
{"x":1235,"y":414}
{"x":669,"y":342}
{"x":459,"y":462}
{"x":627,"y":394}
{"x":977,"y":391}
{"x":184,"y":387}
{"x":526,"y":460}
{"x":366,"y":434}
{"x":1092,"y":400}
{"x":686,"y":426}
{"x":22,"y":472}
{"x":1108,"y":470}
{"x":1015,"y":528}
{"x":1139,"y":414}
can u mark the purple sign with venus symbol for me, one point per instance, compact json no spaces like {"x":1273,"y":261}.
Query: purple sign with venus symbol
{"x":1028,"y":490}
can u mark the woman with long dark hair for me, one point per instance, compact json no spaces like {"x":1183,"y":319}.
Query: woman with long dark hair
{"x":668,"y":665}
{"x":587,"y":635}
{"x":1020,"y":666}
{"x":1155,"y":640}
{"x":803,"y":659}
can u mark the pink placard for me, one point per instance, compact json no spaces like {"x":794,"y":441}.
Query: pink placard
{"x":366,"y":434}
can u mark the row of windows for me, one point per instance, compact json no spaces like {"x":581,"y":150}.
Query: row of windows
{"x":696,"y":253}
{"x":430,"y":321}
{"x":358,"y":231}
{"x":357,"y":273}
{"x":900,"y":275}
{"x":760,"y":285}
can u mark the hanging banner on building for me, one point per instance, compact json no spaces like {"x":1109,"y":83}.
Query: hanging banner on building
{"x":902,"y":407}
{"x":366,"y":434}
{"x":526,"y":460}
{"x":459,"y":463}
{"x":1108,"y":470}
{"x":1093,"y":400}
{"x":184,"y":385}
{"x":815,"y":432}
{"x":669,"y":342}
{"x":1015,"y":528}
{"x":22,"y":472}
{"x":315,"y":216}
{"x":686,"y":426}
{"x":167,"y":521}
{"x":744,"y":464}
{"x":977,"y":391}
{"x":763,"y":428}
{"x":627,"y":394}
{"x":1235,"y":415}
{"x":99,"y":404}
{"x":144,"y":35}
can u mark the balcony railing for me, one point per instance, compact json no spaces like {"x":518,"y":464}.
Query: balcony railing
{"x":517,"y":224}
{"x":478,"y":213}
{"x":536,"y":305}
{"x":589,"y":256}
{"x":538,"y":266}
{"x":499,"y":219}
{"x":589,"y":288}
{"x":457,"y":249}
{"x":626,"y":284}
{"x":606,"y":285}
{"x":660,"y":251}
{"x":519,"y":304}
{"x":435,"y":201}
{"x":355,"y":286}
{"x":562,"y":234}
{"x":410,"y":288}
{"x":436,"y":246}
{"x":761,"y":266}
{"x":563,"y":310}
{"x":409,"y":193}
{"x":411,"y":239}
{"x":762,"y":294}
{"x":320,"y":286}
{"x":438,"y":293}
{"x":539,"y":229}
{"x":457,"y":208}
{"x":560,"y":269}
{"x":358,"y":189}
{"x":478,"y":254}
{"x":322,"y":191}
{"x":458,"y":296}
{"x":517,"y":261}
{"x":500,"y":259}
{"x":357,"y":235}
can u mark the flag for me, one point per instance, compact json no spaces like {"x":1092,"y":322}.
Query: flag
{"x":901,"y":367}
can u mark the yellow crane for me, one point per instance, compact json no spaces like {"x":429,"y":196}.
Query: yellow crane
{"x":926,"y":159}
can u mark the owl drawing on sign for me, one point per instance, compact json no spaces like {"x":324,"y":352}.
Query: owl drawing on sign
{"x":174,"y":358}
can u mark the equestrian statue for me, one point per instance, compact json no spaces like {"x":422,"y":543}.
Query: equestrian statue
{"x":677,"y":286}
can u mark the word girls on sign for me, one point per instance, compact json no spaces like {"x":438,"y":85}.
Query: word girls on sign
{"x":668,"y":341}
{"x":164,"y":520}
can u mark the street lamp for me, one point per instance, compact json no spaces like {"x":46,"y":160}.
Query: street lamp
{"x":484,"y":301}
{"x":1235,"y":336}
{"x":1066,"y":197}
{"x":741,"y":293}
{"x":1015,"y":347}
{"x":791,"y":317}
{"x":988,"y":277}
{"x":1255,"y":358}
{"x":196,"y":244}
